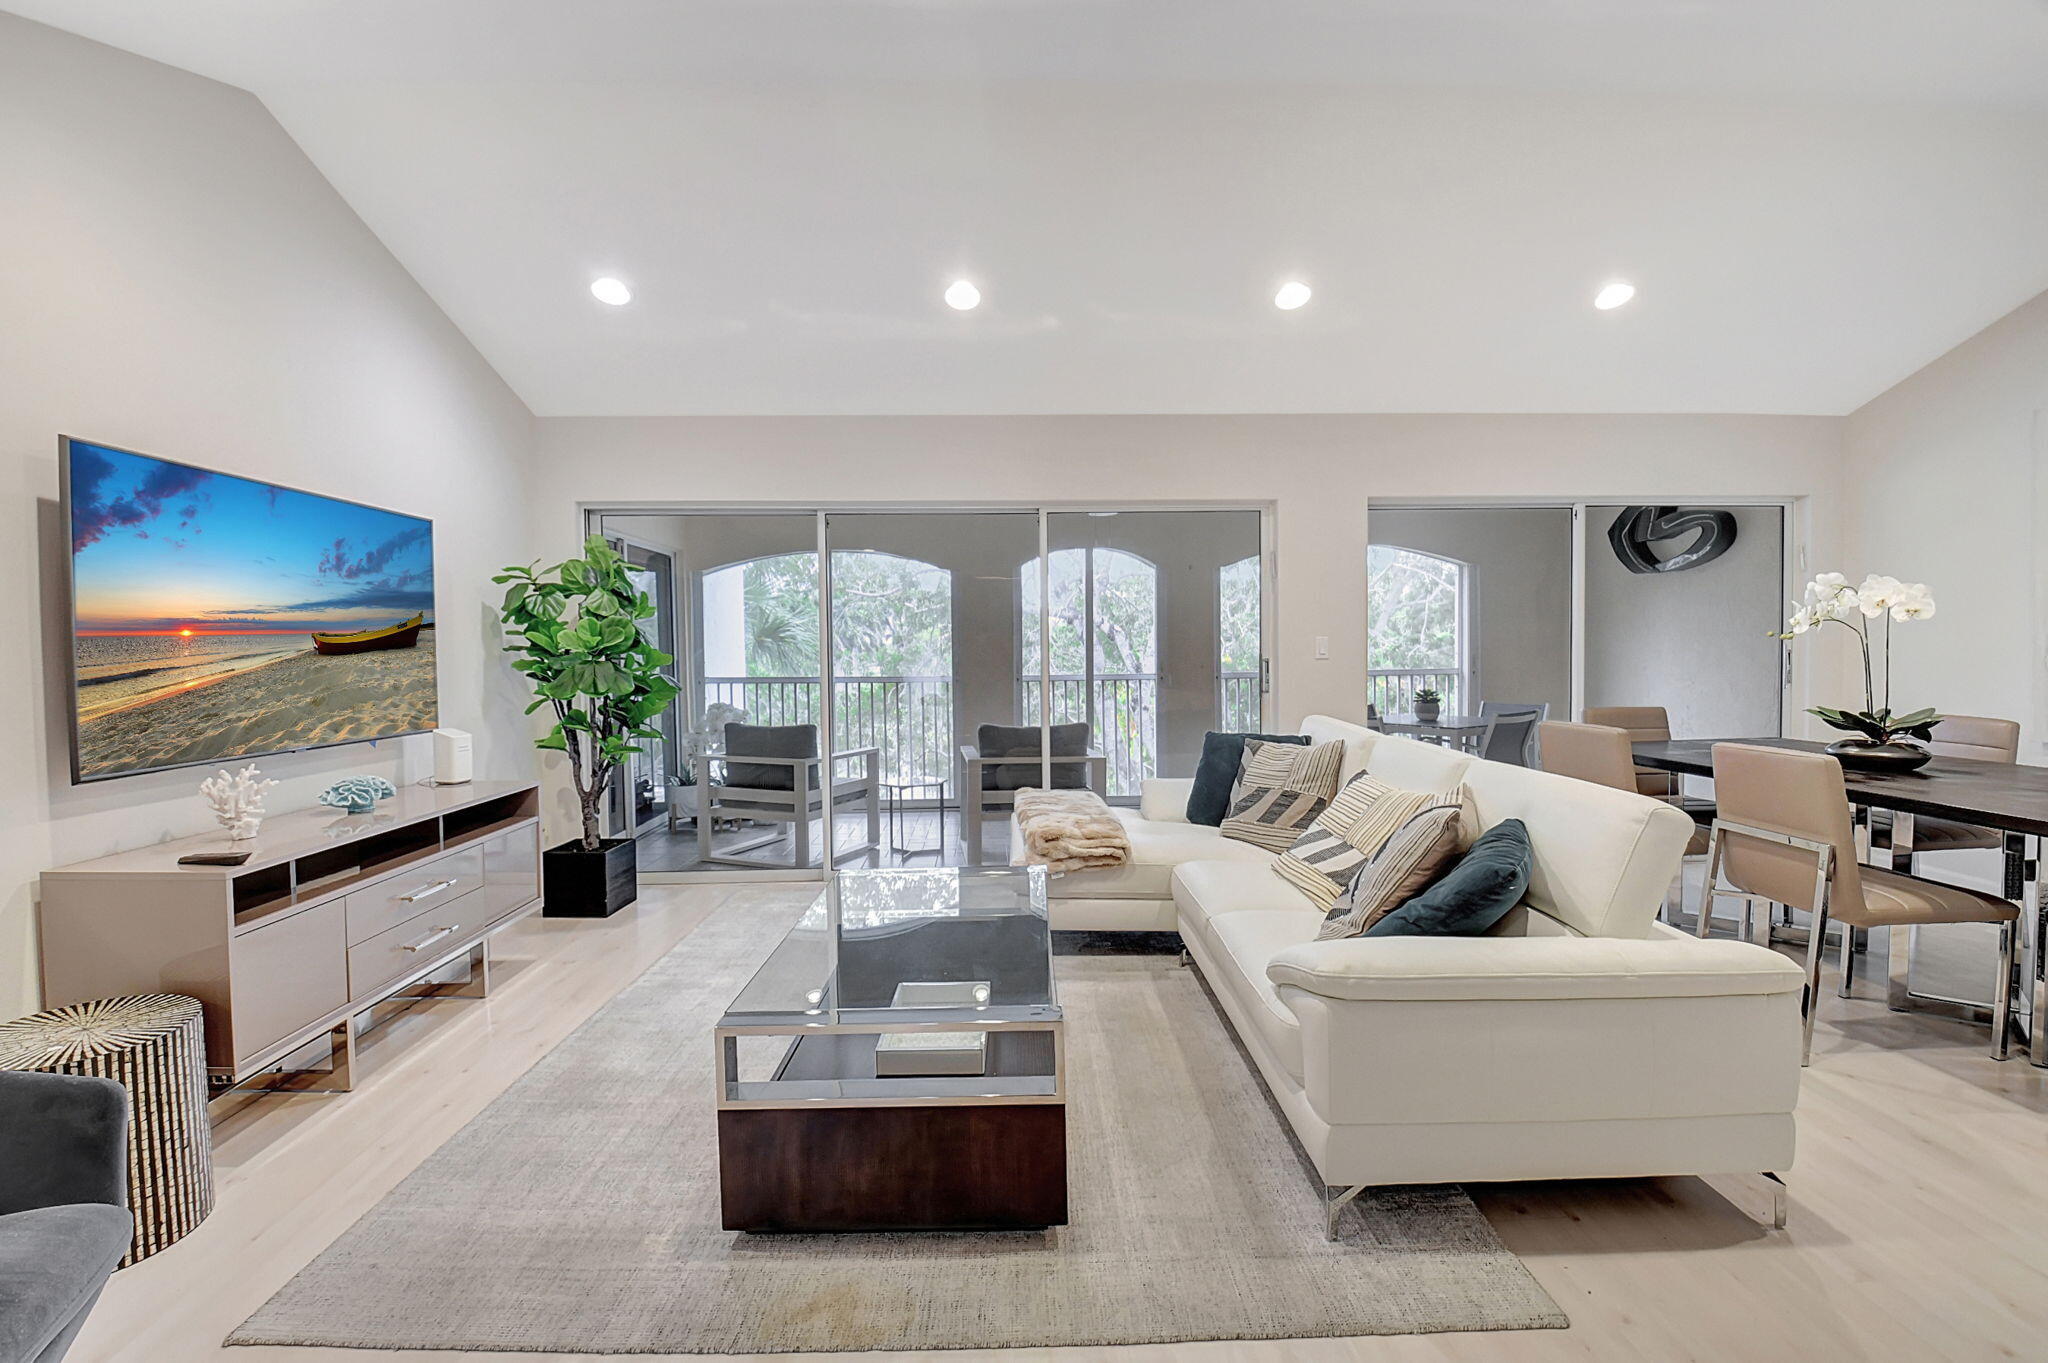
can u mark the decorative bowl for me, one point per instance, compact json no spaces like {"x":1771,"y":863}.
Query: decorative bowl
{"x":1864,"y":754}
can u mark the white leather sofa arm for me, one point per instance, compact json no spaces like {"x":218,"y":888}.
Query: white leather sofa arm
{"x":1451,"y":968}
{"x":1164,"y":799}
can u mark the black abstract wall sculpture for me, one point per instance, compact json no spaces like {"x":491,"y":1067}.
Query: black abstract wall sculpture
{"x":1637,"y":529}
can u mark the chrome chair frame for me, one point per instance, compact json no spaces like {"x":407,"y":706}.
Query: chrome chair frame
{"x":1898,"y":946}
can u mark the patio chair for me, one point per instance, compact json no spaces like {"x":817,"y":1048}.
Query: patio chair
{"x":1005,"y":759}
{"x":773,"y":775}
{"x":1511,"y":735}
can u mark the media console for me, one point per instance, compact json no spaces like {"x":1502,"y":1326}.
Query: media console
{"x":331,"y":914}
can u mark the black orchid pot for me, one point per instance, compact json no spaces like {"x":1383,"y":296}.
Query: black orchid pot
{"x":1867,"y":754}
{"x":580,"y":884}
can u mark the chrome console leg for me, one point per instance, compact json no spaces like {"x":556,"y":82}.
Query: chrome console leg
{"x":1334,"y":1202}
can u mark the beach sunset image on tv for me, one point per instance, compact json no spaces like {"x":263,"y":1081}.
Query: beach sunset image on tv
{"x":217,"y":617}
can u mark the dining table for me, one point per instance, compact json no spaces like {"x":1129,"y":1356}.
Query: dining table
{"x":2008,"y":798}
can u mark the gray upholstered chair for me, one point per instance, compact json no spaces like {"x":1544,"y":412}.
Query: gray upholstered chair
{"x":773,"y":774}
{"x":1510,"y":734}
{"x":1006,"y":758}
{"x":1783,"y":836}
{"x":64,"y":1222}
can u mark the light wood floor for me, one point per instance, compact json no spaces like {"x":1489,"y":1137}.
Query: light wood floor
{"x":1919,"y":1203}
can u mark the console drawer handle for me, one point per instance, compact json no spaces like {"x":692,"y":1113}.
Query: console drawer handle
{"x":436,"y":935}
{"x":427,"y":893}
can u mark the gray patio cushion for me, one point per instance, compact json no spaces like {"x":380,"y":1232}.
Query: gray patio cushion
{"x":1021,"y":740}
{"x":53,"y":1263}
{"x":766,"y":740}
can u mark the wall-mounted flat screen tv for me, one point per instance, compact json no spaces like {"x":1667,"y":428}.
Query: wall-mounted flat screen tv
{"x":216,"y":618}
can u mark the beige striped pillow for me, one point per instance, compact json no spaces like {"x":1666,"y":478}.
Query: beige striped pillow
{"x":1414,"y":856}
{"x":1281,"y":789}
{"x":1324,"y":861}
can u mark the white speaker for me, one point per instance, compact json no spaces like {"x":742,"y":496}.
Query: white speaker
{"x":451,"y":757}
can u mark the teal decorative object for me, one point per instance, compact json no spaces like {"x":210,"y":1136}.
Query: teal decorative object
{"x":357,"y":794}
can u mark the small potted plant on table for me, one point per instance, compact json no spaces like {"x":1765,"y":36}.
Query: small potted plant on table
{"x":576,"y":629}
{"x":1429,"y":704}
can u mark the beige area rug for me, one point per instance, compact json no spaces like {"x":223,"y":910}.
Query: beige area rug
{"x":579,"y":1211}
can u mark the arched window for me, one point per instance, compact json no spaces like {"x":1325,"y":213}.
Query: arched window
{"x":1237,"y":645}
{"x":1417,"y":632}
{"x":1104,"y":634}
{"x":892,"y":657}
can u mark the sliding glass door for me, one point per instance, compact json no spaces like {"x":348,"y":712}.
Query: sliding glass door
{"x":1153,"y":625}
{"x":872,"y":687}
{"x":925,"y":652}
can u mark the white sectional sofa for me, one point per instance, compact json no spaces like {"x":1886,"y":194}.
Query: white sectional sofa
{"x":1580,"y":1039}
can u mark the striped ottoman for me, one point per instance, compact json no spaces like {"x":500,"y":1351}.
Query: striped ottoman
{"x":154,"y":1046}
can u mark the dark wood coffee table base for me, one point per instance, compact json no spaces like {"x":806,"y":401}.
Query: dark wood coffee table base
{"x":948,"y":1167}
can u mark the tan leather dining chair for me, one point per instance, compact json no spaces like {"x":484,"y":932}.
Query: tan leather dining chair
{"x":1783,"y":835}
{"x":1600,"y":754}
{"x":1649,"y":724}
{"x":1980,"y":739}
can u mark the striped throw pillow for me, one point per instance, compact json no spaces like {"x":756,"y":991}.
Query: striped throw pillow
{"x":1281,"y":788}
{"x":1324,"y":861}
{"x":1413,"y":857}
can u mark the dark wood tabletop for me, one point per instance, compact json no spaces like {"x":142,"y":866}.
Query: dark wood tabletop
{"x":1991,"y":794}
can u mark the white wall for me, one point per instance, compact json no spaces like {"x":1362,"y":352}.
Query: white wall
{"x":1315,"y":471}
{"x":1945,"y":486}
{"x":176,"y":277}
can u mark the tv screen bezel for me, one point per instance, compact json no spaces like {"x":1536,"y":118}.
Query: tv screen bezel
{"x":64,"y":444}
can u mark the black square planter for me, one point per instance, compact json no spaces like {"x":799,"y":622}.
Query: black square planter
{"x":580,"y":884}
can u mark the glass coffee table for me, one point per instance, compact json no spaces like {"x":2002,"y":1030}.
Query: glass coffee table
{"x":916,"y":1078}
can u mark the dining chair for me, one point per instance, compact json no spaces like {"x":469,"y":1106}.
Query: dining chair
{"x":1783,"y":835}
{"x":773,"y":774}
{"x":1979,"y":738}
{"x":1511,"y":734}
{"x":1650,"y":724}
{"x":1601,"y":754}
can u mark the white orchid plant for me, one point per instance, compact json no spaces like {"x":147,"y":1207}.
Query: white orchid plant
{"x":1830,"y":598}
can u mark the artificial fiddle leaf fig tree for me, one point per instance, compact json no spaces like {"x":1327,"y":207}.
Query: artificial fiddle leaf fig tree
{"x":576,"y":630}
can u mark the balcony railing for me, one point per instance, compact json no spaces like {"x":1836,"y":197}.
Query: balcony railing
{"x":1126,"y":720}
{"x":1238,"y":702}
{"x":1392,"y":689}
{"x":909,"y":718}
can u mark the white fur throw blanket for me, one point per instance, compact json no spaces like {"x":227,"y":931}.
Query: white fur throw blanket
{"x":1070,"y":830}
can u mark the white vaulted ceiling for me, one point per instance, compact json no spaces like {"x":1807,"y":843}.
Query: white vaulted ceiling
{"x":1813,"y":197}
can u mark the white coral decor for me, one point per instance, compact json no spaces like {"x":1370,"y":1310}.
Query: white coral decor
{"x":237,"y":801}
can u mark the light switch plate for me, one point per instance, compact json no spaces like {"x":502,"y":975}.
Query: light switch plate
{"x":1322,"y":645}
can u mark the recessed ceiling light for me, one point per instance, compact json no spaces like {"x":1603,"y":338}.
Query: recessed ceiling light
{"x":1613,"y":294}
{"x":612,"y":291}
{"x":1291,"y":296}
{"x":961,"y":295}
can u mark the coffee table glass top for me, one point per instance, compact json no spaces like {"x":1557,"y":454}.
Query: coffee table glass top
{"x":939,"y":946}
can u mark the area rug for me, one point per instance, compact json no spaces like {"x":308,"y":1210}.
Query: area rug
{"x":579,"y":1211}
